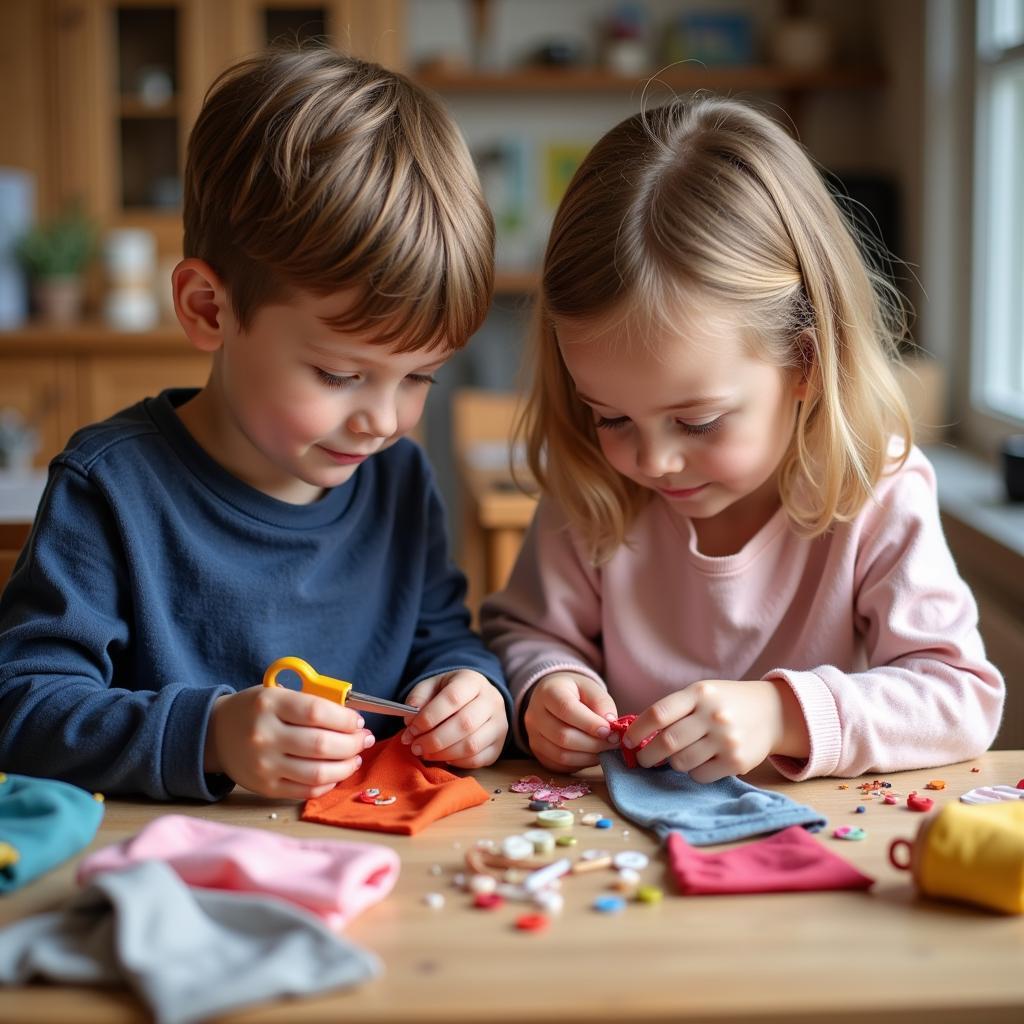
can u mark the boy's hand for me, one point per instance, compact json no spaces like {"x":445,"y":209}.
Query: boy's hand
{"x":567,"y":721}
{"x":282,"y":743}
{"x":714,"y":728}
{"x":461,"y":719}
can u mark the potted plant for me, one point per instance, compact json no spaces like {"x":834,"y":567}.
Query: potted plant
{"x":54,"y":255}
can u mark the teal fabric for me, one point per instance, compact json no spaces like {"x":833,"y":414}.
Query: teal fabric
{"x":667,"y":801}
{"x":45,"y":822}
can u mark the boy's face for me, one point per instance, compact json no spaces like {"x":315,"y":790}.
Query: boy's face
{"x":300,"y":405}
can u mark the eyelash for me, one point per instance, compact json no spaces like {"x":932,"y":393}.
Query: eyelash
{"x":332,"y":380}
{"x":693,"y":429}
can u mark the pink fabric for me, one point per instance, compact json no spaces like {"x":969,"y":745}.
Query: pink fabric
{"x":789,"y":861}
{"x":334,"y":879}
{"x":870,"y":624}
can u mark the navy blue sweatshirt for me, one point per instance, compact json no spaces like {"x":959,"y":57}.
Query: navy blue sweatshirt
{"x":154,"y":582}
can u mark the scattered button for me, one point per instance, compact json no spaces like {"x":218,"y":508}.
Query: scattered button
{"x":483,"y":884}
{"x":434,"y":900}
{"x":649,"y":894}
{"x":566,"y":841}
{"x":603,"y":823}
{"x":488,"y":901}
{"x":632,"y":859}
{"x":541,"y":805}
{"x":936,"y":784}
{"x":516,"y":847}
{"x":609,"y":904}
{"x":550,"y":902}
{"x":860,"y":810}
{"x":591,"y":818}
{"x":920,"y":803}
{"x":594,"y":854}
{"x":541,"y":839}
{"x":531,"y":922}
{"x":849,"y":832}
{"x":555,"y":818}
{"x":369,"y":796}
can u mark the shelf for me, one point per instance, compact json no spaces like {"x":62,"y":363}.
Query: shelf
{"x":756,"y":78}
{"x":91,"y":336}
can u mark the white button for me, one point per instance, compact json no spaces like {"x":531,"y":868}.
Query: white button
{"x":516,"y":847}
{"x":541,"y":838}
{"x":633,"y":859}
{"x":555,"y":819}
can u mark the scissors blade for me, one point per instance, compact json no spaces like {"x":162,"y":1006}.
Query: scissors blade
{"x":378,"y":705}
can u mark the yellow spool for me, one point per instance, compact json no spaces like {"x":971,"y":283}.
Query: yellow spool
{"x":971,"y":853}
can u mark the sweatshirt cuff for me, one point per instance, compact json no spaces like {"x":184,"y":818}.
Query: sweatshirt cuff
{"x":823,"y":727}
{"x":545,"y":668}
{"x":184,"y":744}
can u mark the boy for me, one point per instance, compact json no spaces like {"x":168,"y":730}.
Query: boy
{"x":338,"y":249}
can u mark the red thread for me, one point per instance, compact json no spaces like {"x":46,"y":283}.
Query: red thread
{"x":620,"y":725}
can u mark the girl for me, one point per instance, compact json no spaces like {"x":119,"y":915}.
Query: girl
{"x":737,"y":539}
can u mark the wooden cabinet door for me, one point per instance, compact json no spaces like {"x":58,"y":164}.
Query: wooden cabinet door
{"x":41,"y":390}
{"x":108,"y":384}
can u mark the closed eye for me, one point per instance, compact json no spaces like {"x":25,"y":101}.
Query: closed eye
{"x":701,"y":429}
{"x":421,"y":378}
{"x":333,"y":380}
{"x":610,"y":422}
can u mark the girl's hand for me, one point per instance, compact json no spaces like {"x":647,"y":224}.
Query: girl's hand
{"x":461,"y":720}
{"x":283,"y":743}
{"x":714,"y":728}
{"x":567,"y":721}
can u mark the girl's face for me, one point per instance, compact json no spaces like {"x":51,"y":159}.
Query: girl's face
{"x":690,"y":414}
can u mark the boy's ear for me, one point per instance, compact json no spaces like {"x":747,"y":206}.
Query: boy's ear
{"x":201,"y":303}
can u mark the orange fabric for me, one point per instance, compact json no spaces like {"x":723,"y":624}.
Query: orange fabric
{"x":424,"y":793}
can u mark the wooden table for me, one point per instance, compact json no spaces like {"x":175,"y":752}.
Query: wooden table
{"x":882,"y":956}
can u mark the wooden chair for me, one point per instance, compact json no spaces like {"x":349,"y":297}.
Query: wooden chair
{"x":495,"y":513}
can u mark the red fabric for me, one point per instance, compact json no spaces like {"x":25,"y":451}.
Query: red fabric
{"x":620,"y":725}
{"x":424,"y":793}
{"x":789,"y":861}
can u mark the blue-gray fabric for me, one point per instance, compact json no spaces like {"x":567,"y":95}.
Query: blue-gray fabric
{"x":667,"y":801}
{"x":155,"y":582}
{"x":188,"y":954}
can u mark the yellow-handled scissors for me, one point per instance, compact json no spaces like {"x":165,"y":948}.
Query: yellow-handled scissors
{"x":334,"y":689}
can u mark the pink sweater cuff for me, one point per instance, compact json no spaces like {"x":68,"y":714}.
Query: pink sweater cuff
{"x":334,"y":879}
{"x":823,"y":728}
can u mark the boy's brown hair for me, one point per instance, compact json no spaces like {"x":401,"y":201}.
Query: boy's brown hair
{"x":315,"y":171}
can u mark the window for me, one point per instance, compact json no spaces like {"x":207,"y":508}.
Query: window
{"x":998,"y":329}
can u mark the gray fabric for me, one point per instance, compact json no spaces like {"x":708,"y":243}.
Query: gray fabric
{"x":189,"y":954}
{"x":667,"y":801}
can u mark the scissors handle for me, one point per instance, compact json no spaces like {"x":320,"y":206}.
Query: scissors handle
{"x":334,"y":689}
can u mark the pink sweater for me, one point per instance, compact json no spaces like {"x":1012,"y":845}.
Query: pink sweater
{"x":871,"y":625}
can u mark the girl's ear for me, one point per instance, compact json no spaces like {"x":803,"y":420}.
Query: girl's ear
{"x":201,"y":304}
{"x":807,"y":348}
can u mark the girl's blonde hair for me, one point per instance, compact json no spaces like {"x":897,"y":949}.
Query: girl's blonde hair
{"x":709,"y":198}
